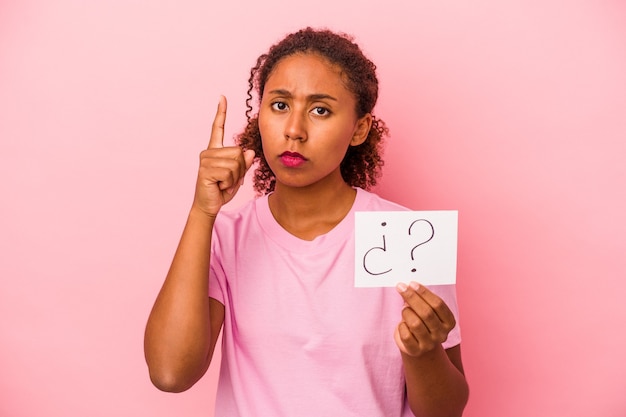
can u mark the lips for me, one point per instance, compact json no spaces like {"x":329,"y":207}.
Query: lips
{"x":292,"y":159}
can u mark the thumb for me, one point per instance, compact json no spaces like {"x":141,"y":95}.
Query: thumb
{"x":248,"y":156}
{"x":398,"y":340}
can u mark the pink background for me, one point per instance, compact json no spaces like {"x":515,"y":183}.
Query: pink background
{"x":512,"y":112}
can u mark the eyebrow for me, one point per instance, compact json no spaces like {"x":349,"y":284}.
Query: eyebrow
{"x":311,"y":97}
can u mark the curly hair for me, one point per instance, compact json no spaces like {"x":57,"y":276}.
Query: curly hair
{"x":361,"y":165}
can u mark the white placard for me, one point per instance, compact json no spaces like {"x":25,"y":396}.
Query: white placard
{"x":405,"y":246}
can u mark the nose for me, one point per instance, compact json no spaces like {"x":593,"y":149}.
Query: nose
{"x":295,"y":128}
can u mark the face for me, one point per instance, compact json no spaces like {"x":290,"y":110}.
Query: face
{"x":307,"y":121}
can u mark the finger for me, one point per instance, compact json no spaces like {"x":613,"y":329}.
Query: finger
{"x":418,"y":326}
{"x":437,"y":304}
{"x":241,"y":160}
{"x":217,"y":130}
{"x":211,"y":165}
{"x":425,"y":326}
{"x":248,"y":157}
{"x":431,"y":309}
{"x":245,"y":160}
{"x":222,"y":176}
{"x":405,"y":339}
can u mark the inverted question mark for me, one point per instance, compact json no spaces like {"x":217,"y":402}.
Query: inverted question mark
{"x":382,"y":248}
{"x":432,"y":234}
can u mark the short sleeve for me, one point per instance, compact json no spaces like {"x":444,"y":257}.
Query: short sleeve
{"x":217,"y":275}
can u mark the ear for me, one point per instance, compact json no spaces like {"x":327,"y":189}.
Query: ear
{"x":363,"y":126}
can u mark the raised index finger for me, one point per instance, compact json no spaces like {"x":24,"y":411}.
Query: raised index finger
{"x":217,"y":130}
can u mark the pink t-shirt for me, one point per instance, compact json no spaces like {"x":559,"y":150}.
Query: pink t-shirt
{"x":298,"y":338}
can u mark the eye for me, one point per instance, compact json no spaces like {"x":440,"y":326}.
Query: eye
{"x":279,"y":106}
{"x":321,"y":111}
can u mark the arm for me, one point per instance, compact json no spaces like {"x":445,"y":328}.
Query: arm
{"x":435,"y":381}
{"x":183,"y":326}
{"x":184,"y":323}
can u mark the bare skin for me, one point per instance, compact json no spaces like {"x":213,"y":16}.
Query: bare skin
{"x":184,"y":324}
{"x":307,"y":204}
{"x":435,"y":381}
{"x":306,"y":110}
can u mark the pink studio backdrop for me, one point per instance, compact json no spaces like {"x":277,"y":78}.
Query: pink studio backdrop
{"x":512,"y":112}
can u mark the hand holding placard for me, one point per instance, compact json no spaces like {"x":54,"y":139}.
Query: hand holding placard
{"x":404,"y":246}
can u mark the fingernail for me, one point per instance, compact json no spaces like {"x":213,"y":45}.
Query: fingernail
{"x":401,"y":287}
{"x":414,"y":285}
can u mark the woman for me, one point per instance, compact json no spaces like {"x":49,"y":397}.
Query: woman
{"x":277,"y":275}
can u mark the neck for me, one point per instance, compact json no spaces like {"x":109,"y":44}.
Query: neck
{"x":308,"y":212}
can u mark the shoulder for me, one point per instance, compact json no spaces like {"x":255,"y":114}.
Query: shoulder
{"x":369,"y":201}
{"x":230,"y":214}
{"x":237,"y":220}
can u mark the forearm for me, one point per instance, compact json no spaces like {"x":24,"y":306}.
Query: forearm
{"x":435,"y":386}
{"x":177,"y":339}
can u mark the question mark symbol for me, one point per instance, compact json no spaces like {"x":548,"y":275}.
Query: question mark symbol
{"x":382,"y":248}
{"x":432,"y":234}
